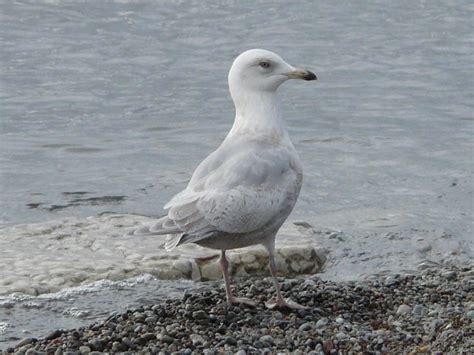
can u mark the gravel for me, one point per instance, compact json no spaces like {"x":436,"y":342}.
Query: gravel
{"x":429,"y":311}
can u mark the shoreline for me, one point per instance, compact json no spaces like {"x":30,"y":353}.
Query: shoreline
{"x":431,"y":310}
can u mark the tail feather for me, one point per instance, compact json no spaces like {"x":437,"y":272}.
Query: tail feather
{"x":161,"y":227}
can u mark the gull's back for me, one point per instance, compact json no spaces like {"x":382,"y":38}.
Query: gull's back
{"x":237,"y":196}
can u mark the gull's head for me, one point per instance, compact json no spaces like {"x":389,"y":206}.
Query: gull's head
{"x":261,"y":70}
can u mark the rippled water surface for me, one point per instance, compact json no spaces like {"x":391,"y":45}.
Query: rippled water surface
{"x":108,"y":107}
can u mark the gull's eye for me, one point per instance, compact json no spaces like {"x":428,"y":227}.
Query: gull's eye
{"x":264,"y":65}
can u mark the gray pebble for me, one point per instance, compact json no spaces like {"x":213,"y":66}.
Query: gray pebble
{"x":149,"y":336}
{"x":200,"y":314}
{"x":305,"y":326}
{"x":165,"y":338}
{"x":470,"y":314}
{"x":84,"y":349}
{"x":419,"y":310}
{"x":53,"y":335}
{"x":322,"y":323}
{"x":266,"y":339}
{"x":197,"y":339}
{"x":403,"y":309}
{"x":24,"y":342}
{"x":230,"y":341}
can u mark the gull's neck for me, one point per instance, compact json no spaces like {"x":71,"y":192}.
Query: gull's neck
{"x":258,"y":115}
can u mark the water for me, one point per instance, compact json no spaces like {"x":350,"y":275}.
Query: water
{"x":108,"y":107}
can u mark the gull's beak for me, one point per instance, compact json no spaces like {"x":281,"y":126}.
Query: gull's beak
{"x":301,"y":74}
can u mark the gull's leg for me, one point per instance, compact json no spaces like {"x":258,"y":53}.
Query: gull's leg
{"x":231,"y":299}
{"x":279,"y":302}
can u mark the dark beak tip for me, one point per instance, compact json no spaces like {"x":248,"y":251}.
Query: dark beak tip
{"x":310,"y":76}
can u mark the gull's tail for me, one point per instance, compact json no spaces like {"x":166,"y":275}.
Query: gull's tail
{"x":162,"y":226}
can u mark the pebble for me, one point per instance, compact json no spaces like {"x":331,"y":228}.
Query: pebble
{"x":342,"y":317}
{"x":305,"y":326}
{"x":165,"y":338}
{"x":419,"y":310}
{"x":230,"y":341}
{"x":53,"y":335}
{"x":470,"y":314}
{"x":200,"y":315}
{"x":403,"y":309}
{"x":84,"y":349}
{"x":197,"y":339}
{"x":322,"y":323}
{"x":267,"y":339}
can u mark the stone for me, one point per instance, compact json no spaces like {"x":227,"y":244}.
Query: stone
{"x":149,"y":336}
{"x":197,"y":339}
{"x":25,"y":341}
{"x":419,"y":310}
{"x":165,"y":338}
{"x":230,"y":341}
{"x":200,"y":315}
{"x":266,"y":339}
{"x":403,"y":309}
{"x":322,"y":323}
{"x":84,"y":349}
{"x":53,"y":335}
{"x":470,"y":314}
{"x":305,"y":326}
{"x":97,"y":344}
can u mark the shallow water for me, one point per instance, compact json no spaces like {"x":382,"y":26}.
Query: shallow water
{"x":108,"y":108}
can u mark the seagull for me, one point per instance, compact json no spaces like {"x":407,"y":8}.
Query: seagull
{"x":241,"y":194}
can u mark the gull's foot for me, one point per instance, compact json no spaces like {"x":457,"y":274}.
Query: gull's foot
{"x":240,"y":300}
{"x":280,"y":303}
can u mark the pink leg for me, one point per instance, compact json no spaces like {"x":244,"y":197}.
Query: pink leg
{"x":279,"y":302}
{"x":231,"y":299}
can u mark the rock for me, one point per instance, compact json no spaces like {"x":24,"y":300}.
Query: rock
{"x":339,"y":320}
{"x":149,"y":336}
{"x":25,"y":341}
{"x":306,"y":326}
{"x":117,"y":346}
{"x":230,"y":341}
{"x":419,"y":310}
{"x":322,"y":323}
{"x":200,"y":315}
{"x":151,"y":319}
{"x":470,"y":314}
{"x":53,"y":335}
{"x":97,"y":344}
{"x":84,"y":349}
{"x":266,"y":339}
{"x":165,"y":338}
{"x":450,"y":275}
{"x":197,"y":339}
{"x":403,"y":309}
{"x":241,"y":352}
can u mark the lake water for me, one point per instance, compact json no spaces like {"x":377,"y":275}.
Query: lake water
{"x":108,"y":107}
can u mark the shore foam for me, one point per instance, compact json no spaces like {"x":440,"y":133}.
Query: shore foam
{"x":47,"y":257}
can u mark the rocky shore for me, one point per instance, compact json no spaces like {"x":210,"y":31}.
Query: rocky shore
{"x":431,"y":311}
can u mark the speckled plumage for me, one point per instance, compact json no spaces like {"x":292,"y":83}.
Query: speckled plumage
{"x":241,"y":194}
